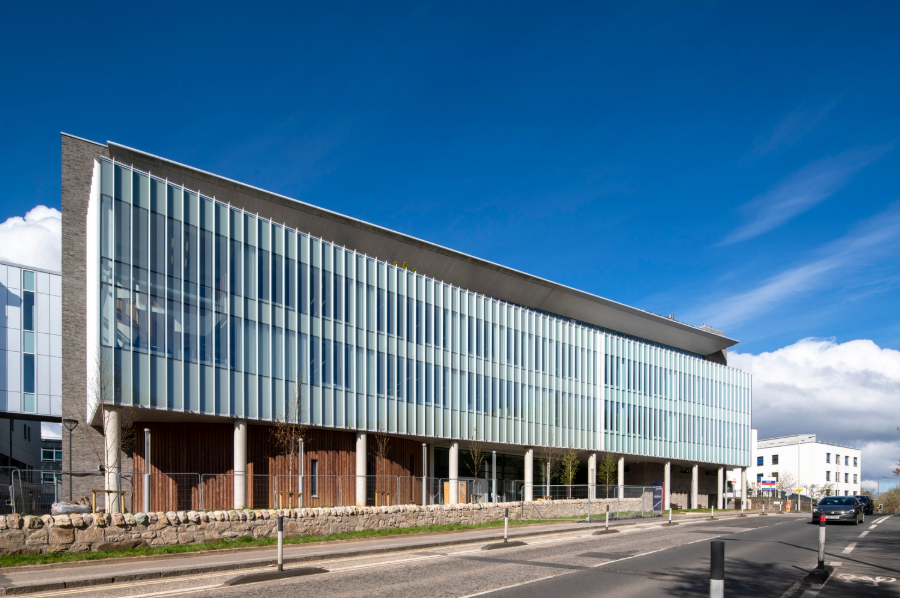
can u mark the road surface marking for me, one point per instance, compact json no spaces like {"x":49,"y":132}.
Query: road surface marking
{"x":515,"y":585}
{"x":873,"y":526}
{"x":175,"y":592}
{"x":863,"y":535}
{"x":849,"y":548}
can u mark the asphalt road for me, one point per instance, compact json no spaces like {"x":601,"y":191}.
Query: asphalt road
{"x":765,"y":556}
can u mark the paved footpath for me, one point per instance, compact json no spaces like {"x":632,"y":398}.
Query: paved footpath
{"x":15,"y":580}
{"x":765,"y":556}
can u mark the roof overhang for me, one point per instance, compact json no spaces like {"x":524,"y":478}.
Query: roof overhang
{"x":439,"y":262}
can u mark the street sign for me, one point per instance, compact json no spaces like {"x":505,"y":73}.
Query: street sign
{"x":799,"y":490}
{"x":767,"y":483}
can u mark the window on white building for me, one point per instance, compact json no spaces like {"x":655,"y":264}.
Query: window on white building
{"x":759,"y":461}
{"x":855,"y":462}
{"x":846,"y":460}
{"x":827,"y":476}
{"x":854,"y":479}
{"x":774,"y":459}
{"x":846,"y":478}
{"x":828,"y":457}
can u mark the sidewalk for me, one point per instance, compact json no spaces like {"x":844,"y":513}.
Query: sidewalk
{"x":58,"y":576}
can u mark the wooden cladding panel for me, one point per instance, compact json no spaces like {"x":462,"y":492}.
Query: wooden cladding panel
{"x":181,"y":449}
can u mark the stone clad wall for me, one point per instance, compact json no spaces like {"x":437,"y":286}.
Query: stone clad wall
{"x":81,"y":533}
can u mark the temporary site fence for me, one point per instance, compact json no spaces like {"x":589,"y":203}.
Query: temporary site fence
{"x":32,"y":492}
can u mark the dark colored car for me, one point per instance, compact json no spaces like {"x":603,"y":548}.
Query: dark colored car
{"x":840,"y":508}
{"x":868,"y":505}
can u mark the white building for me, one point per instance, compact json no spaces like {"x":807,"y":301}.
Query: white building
{"x":824,"y":467}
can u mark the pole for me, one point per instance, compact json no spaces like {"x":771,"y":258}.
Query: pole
{"x":70,"y":464}
{"x":607,"y":517}
{"x":670,"y":514}
{"x":506,"y":525}
{"x":494,"y":476}
{"x":281,"y":543}
{"x":146,"y":470}
{"x":717,"y":569}
{"x":821,"y":564}
{"x":424,"y":474}
{"x":712,"y":512}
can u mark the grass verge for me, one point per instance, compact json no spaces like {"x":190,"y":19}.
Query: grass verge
{"x":245,"y":542}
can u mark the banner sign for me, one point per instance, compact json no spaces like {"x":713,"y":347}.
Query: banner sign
{"x":767,"y":483}
{"x":658,"y":496}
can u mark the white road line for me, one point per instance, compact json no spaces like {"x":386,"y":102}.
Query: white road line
{"x":849,"y":548}
{"x":873,"y":526}
{"x":515,"y":585}
{"x":175,"y":592}
{"x":863,"y":535}
{"x":634,"y":556}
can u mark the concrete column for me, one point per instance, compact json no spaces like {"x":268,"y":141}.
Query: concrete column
{"x":113,"y":434}
{"x":529,"y":474}
{"x":744,"y":487}
{"x":694,"y":481}
{"x":300,"y":461}
{"x":592,"y":475}
{"x":720,"y":503}
{"x":240,"y":463}
{"x":424,"y":474}
{"x":454,"y":473}
{"x":493,"y":476}
{"x":667,"y":485}
{"x":621,"y":477}
{"x":361,"y":449}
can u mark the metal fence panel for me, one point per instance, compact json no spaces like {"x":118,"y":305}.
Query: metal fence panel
{"x":218,"y":491}
{"x":309,"y":491}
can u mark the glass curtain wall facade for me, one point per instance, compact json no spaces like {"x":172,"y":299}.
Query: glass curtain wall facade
{"x":209,"y":309}
{"x":30,"y":341}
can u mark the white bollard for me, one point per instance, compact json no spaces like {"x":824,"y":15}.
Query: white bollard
{"x":280,"y":543}
{"x":506,"y":526}
{"x":717,"y":569}
{"x":821,"y":564}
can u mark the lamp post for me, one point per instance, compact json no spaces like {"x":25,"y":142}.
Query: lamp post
{"x":70,"y":425}
{"x":884,"y":477}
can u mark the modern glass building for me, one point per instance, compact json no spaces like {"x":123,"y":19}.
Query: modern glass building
{"x":30,"y":342}
{"x":216,"y":303}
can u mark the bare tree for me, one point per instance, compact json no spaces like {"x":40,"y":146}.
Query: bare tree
{"x":607,"y":471}
{"x":380,"y":450}
{"x":568,"y":467}
{"x":476,"y":454}
{"x":289,"y":430}
{"x":549,"y":457}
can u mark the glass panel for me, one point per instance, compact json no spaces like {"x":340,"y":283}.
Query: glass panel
{"x":250,"y":354}
{"x":174,"y":330}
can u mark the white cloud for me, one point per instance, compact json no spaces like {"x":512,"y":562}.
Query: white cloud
{"x":844,"y":393}
{"x":802,"y":191}
{"x":872,"y":240}
{"x":33,"y":240}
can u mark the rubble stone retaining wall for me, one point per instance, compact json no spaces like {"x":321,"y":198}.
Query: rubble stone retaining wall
{"x":102,"y":531}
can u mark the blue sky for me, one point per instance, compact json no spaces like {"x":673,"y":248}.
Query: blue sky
{"x":676,"y":158}
{"x":736,"y":165}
